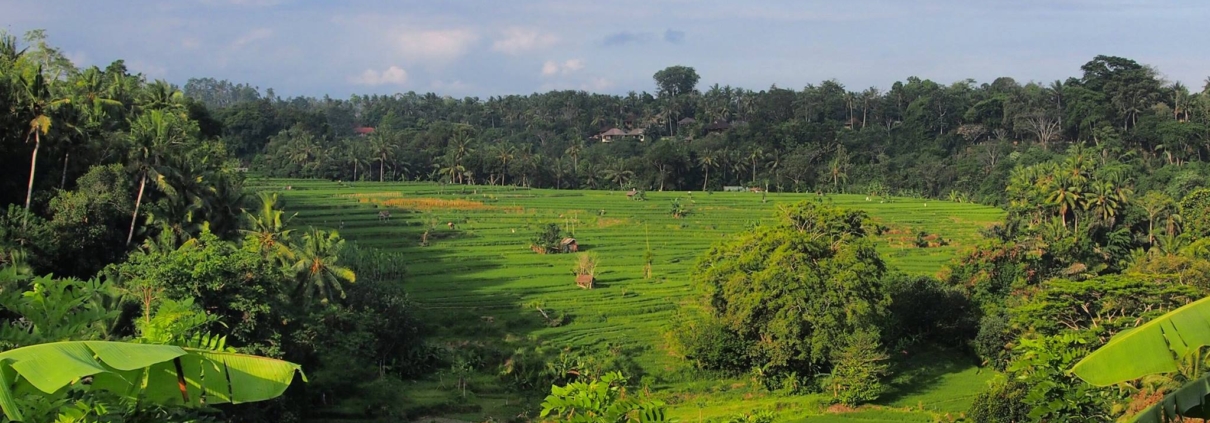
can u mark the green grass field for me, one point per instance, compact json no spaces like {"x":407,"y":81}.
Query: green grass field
{"x":472,"y":282}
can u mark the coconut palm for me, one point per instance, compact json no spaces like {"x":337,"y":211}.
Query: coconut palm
{"x":34,"y":92}
{"x":1066,"y":196}
{"x":317,"y":271}
{"x":382,"y":146}
{"x":755,"y":155}
{"x":154,"y":136}
{"x":706,"y":161}
{"x":267,"y":225}
{"x":504,"y":153}
{"x":160,"y":95}
{"x":617,"y":173}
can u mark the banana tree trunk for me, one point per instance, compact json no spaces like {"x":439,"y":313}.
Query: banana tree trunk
{"x":137,"y":202}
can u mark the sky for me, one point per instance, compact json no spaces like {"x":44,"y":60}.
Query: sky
{"x":497,"y":47}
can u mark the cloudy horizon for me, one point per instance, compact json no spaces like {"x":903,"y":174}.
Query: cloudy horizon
{"x":480,"y":48}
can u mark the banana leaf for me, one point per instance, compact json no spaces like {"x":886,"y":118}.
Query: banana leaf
{"x":1152,"y":348}
{"x":163,"y":374}
{"x":1156,"y":347}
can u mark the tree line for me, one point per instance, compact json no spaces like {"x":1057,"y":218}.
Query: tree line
{"x":919,"y":138}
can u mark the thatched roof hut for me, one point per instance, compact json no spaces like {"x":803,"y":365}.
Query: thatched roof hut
{"x":569,"y":245}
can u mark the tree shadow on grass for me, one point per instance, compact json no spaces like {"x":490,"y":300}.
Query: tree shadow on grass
{"x":922,"y":371}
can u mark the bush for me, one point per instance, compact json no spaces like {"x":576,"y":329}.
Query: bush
{"x":1002,"y":402}
{"x":547,"y":240}
{"x":992,"y":342}
{"x":925,"y":309}
{"x":857,"y":370}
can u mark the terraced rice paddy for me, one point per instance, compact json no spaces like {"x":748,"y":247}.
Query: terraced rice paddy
{"x":476,"y":273}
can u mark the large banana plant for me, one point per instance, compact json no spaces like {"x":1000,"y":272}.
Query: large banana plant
{"x":161,"y":374}
{"x":1157,"y":347}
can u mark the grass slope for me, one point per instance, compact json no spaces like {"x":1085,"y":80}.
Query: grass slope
{"x":472,"y":281}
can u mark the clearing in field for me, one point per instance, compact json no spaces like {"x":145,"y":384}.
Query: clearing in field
{"x":477,"y":282}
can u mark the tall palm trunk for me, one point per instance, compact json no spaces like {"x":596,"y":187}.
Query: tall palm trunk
{"x":137,"y":202}
{"x":63,"y":180}
{"x":355,"y":171}
{"x":707,"y":182}
{"x":33,"y":163}
{"x":382,"y":167}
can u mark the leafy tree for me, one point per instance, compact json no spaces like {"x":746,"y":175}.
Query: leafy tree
{"x":1195,"y":207}
{"x":675,"y":81}
{"x":793,"y":291}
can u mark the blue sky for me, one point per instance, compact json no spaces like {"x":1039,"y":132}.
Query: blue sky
{"x":482,"y":47}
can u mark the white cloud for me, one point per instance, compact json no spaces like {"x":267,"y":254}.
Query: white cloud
{"x":520,"y":40}
{"x":252,"y":36}
{"x":551,"y":67}
{"x":191,"y":43}
{"x":434,"y":45}
{"x":393,"y":75}
{"x":596,"y":84}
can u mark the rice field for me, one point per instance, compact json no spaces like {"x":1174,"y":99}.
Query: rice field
{"x":472,"y":273}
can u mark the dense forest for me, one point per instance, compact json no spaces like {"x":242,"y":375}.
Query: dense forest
{"x":127,"y":220}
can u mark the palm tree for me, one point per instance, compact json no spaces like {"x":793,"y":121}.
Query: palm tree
{"x":93,"y":104}
{"x":755,"y":155}
{"x":618,"y":174}
{"x":504,"y":152}
{"x":706,"y":161}
{"x":1103,"y":202}
{"x":160,"y":95}
{"x":574,"y":151}
{"x":354,"y":153}
{"x":317,"y":270}
{"x":153,"y":137}
{"x":1157,"y":205}
{"x":1066,"y":196}
{"x":35,"y":91}
{"x":382,"y":147}
{"x":267,"y":226}
{"x":591,"y":171}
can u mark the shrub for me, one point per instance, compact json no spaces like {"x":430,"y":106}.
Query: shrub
{"x":858,"y":368}
{"x":547,"y":240}
{"x":1002,"y":402}
{"x":923,"y":308}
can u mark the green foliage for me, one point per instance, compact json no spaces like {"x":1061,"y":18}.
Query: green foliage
{"x":117,"y":367}
{"x":792,"y":292}
{"x":679,"y":210}
{"x":857,"y":369}
{"x":1156,"y":347}
{"x":603,"y":400}
{"x":924,"y":309}
{"x":1102,"y":306}
{"x":43,"y":309}
{"x":1195,"y":208}
{"x":246,"y":292}
{"x":317,"y":269}
{"x":1002,"y":402}
{"x":87,"y":221}
{"x":1055,"y":394}
{"x":548,"y":240}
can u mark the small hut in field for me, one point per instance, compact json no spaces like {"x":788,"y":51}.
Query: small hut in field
{"x":585,"y":281}
{"x":568,"y":245}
